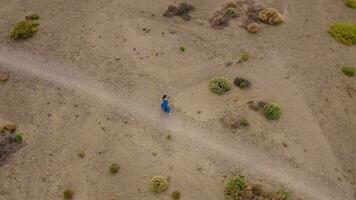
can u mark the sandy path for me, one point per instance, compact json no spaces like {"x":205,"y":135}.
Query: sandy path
{"x":255,"y":162}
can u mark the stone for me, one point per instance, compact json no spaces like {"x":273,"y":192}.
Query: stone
{"x":253,"y":28}
{"x":270,"y":16}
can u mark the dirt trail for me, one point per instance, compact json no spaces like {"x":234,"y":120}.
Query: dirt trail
{"x":254,"y":162}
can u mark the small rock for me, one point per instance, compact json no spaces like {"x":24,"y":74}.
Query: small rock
{"x":253,"y":28}
{"x":3,"y":77}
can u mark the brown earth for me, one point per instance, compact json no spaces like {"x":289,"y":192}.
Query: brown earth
{"x":92,"y":78}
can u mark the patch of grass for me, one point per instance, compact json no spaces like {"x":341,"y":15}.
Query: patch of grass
{"x":114,"y":168}
{"x":241,"y":83}
{"x":175,"y":195}
{"x":234,"y":188}
{"x":348,"y":71}
{"x":230,"y":11}
{"x":182,"y":49}
{"x":244,"y":122}
{"x":245,"y":56}
{"x":272,"y":111}
{"x":168,"y":137}
{"x":219,"y":85}
{"x":158,"y":184}
{"x":32,"y":16}
{"x":68,"y":194}
{"x":24,"y":29}
{"x":281,"y":195}
{"x":344,"y":32}
{"x":18,"y":137}
{"x":351,"y":3}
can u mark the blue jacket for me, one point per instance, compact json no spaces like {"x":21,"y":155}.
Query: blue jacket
{"x":165,"y":106}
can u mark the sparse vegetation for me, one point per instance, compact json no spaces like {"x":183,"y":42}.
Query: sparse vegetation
{"x":348,"y":71}
{"x":241,"y":83}
{"x":272,"y":111}
{"x":24,"y":29}
{"x":175,"y":195}
{"x":182,"y":49}
{"x":68,"y":194}
{"x":32,"y":16}
{"x":81,"y":154}
{"x":281,"y":195}
{"x":351,"y":3}
{"x":18,"y":138}
{"x":234,"y":188}
{"x":183,"y":10}
{"x":231,"y":12}
{"x":245,"y":56}
{"x":219,"y":85}
{"x":344,"y":32}
{"x":244,"y":122}
{"x":114,"y":168}
{"x":158,"y":184}
{"x":168,"y":137}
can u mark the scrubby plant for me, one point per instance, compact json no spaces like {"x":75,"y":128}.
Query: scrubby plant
{"x":182,"y":49}
{"x":68,"y":194}
{"x":24,"y":29}
{"x":158,"y":184}
{"x":114,"y":168}
{"x":245,"y":56}
{"x":219,"y":85}
{"x":344,"y":32}
{"x":81,"y":154}
{"x":32,"y":16}
{"x":244,"y":122}
{"x":230,"y":11}
{"x":18,"y":138}
{"x":241,"y":83}
{"x":281,"y":195}
{"x":272,"y":111}
{"x":351,"y":3}
{"x":348,"y":71}
{"x":175,"y":195}
{"x":168,"y":137}
{"x":234,"y":188}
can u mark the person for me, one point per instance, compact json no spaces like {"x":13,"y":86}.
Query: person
{"x":165,"y":104}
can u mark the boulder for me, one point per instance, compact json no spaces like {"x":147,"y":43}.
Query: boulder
{"x":270,"y":16}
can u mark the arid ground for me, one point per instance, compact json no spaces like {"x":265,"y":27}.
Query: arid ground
{"x":93,"y":76}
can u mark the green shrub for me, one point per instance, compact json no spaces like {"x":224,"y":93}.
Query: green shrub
{"x":351,"y":3}
{"x":230,"y":11}
{"x":344,"y":32}
{"x":182,"y":49}
{"x":68,"y":194}
{"x":272,"y":111}
{"x":234,"y":188}
{"x":114,"y":168}
{"x":281,"y":195}
{"x":245,"y":56}
{"x":24,"y":29}
{"x":244,"y":122}
{"x":18,"y":138}
{"x":32,"y":16}
{"x":175,"y":195}
{"x":158,"y":184}
{"x":349,"y":71}
{"x":219,"y":85}
{"x":241,"y":83}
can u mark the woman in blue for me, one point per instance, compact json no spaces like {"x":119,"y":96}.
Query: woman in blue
{"x":165,"y":104}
